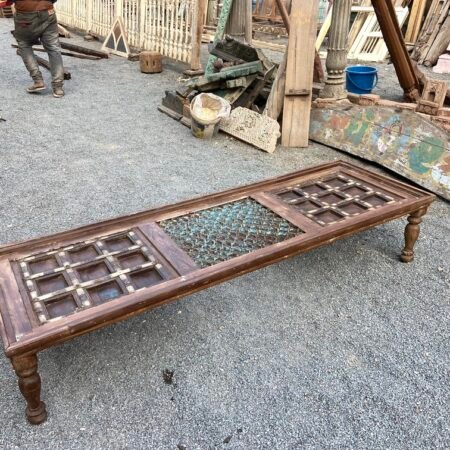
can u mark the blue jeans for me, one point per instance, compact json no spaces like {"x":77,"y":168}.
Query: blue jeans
{"x":32,"y":27}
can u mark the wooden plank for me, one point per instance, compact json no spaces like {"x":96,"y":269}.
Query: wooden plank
{"x":324,"y":29}
{"x":197,"y":30}
{"x":12,"y":306}
{"x":74,"y":55}
{"x":84,"y":50}
{"x":415,"y":20}
{"x":285,"y":211}
{"x":299,"y":73}
{"x":44,"y":63}
{"x":357,"y":23}
{"x":180,"y":260}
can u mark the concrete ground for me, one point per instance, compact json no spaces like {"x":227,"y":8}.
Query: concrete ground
{"x":343,"y":347}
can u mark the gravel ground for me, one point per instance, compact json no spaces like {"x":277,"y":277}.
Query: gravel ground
{"x":343,"y":347}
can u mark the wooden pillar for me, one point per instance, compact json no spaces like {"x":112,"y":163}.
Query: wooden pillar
{"x":211,"y":15}
{"x":237,"y":19}
{"x":249,"y":22}
{"x":412,"y":231}
{"x":30,"y":385}
{"x":337,"y":51}
{"x":197,"y":30}
{"x":393,"y":37}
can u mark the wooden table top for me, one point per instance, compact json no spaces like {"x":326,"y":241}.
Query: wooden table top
{"x":57,"y":287}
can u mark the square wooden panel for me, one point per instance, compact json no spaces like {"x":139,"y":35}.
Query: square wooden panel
{"x":335,"y":198}
{"x":63,"y":281}
{"x":224,"y":232}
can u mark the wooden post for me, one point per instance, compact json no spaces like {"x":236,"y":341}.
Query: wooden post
{"x":211,"y":15}
{"x":412,"y":231}
{"x":393,"y":38}
{"x":26,"y":368}
{"x":237,"y":19}
{"x":249,"y":22}
{"x":119,"y":8}
{"x":337,"y":51}
{"x":284,"y":14}
{"x":299,"y":73}
{"x":197,"y":30}
{"x":274,"y":104}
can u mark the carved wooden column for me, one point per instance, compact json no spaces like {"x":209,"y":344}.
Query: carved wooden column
{"x":30,"y":386}
{"x":337,"y":51}
{"x":237,"y":20}
{"x":412,"y":231}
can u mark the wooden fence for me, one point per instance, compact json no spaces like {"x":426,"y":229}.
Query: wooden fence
{"x":166,"y":26}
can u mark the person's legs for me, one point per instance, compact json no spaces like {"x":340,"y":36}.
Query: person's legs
{"x":25,"y":34}
{"x":50,"y":41}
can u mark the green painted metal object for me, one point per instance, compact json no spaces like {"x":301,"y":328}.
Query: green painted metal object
{"x":228,"y":73}
{"x":220,"y":31}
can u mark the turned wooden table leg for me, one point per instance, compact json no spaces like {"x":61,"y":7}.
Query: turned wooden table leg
{"x":412,"y":231}
{"x":30,"y":386}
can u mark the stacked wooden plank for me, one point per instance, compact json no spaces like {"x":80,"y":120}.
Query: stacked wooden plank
{"x":241,"y":74}
{"x":415,"y":20}
{"x":434,"y":37}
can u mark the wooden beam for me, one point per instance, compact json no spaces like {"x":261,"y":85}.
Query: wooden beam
{"x":84,"y":50}
{"x":299,"y":73}
{"x":44,"y":63}
{"x":249,"y":22}
{"x":74,"y":55}
{"x":197,"y":30}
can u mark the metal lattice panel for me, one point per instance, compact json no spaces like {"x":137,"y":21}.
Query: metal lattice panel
{"x":335,"y":198}
{"x":65,"y":280}
{"x":218,"y":234}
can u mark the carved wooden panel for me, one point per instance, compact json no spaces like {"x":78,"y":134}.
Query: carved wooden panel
{"x":335,"y":198}
{"x":63,"y":281}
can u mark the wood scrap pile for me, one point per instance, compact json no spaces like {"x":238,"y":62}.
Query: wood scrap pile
{"x":257,"y":89}
{"x":242,"y":75}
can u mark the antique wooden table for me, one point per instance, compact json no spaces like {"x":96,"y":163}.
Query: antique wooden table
{"x":55,"y":288}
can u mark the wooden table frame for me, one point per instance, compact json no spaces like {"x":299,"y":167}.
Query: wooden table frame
{"x":26,"y":330}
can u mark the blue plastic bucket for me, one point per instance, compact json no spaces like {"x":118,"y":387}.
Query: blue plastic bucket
{"x":361,"y":79}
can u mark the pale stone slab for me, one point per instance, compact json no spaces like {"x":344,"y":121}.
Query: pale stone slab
{"x":253,"y":128}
